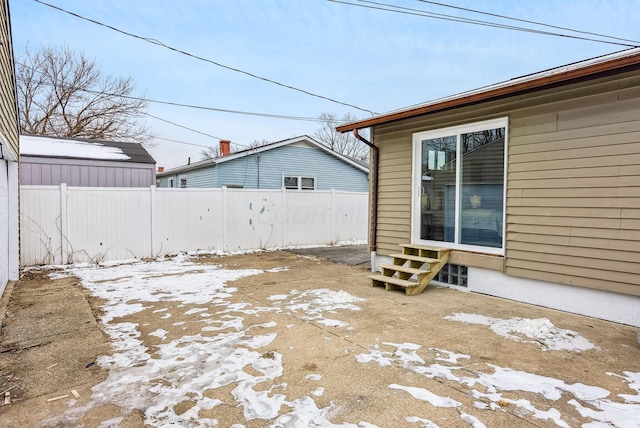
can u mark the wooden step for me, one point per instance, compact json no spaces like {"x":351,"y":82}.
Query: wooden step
{"x":424,"y":250}
{"x":414,"y":258}
{"x":390,"y":281}
{"x":423,"y":247}
{"x":405,"y":269}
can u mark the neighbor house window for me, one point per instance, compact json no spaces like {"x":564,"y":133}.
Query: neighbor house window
{"x":297,"y":182}
{"x":183,"y":182}
{"x":459,"y":176}
{"x":171,"y":182}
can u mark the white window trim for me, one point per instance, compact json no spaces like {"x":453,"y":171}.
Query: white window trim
{"x":416,"y":173}
{"x":182,"y":177}
{"x":300,"y":177}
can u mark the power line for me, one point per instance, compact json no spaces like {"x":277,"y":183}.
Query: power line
{"x":194,"y":106}
{"x":184,"y":142}
{"x":182,"y":126}
{"x":527,"y":21}
{"x":417,"y":12}
{"x":95,"y":92}
{"x":199,"y":58}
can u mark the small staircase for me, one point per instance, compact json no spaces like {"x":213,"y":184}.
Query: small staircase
{"x":413,"y":269}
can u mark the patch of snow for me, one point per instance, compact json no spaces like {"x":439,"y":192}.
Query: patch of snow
{"x":472,"y":420}
{"x":160,"y":333}
{"x":111,"y":423}
{"x":428,"y":396}
{"x":590,"y":401}
{"x":313,"y":376}
{"x":426,"y":423}
{"x":184,"y":368}
{"x":55,"y":147}
{"x":541,"y":330}
{"x":452,"y":357}
{"x":310,"y":305}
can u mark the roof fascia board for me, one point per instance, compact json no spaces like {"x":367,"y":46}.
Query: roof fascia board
{"x":340,"y":156}
{"x":561,"y":75}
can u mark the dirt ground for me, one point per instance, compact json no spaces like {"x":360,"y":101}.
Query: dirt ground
{"x":52,"y":338}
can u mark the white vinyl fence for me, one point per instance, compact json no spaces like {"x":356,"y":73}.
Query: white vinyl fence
{"x":60,"y":224}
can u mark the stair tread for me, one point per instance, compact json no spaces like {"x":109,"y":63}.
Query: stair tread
{"x":405,"y":269}
{"x":415,"y":258}
{"x":395,"y":281}
{"x":424,"y":247}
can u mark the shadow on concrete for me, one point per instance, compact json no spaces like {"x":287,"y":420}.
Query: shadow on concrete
{"x":352,"y":255}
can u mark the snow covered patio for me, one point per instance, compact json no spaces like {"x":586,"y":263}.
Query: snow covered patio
{"x":283,"y":340}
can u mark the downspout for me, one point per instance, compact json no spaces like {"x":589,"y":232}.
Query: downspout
{"x":373,"y":176}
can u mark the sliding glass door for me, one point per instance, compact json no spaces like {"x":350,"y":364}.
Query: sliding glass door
{"x":459,"y":178}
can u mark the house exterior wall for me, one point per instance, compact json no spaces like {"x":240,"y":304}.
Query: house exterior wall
{"x":573,"y":183}
{"x":265,"y":170}
{"x":9,"y":141}
{"x":85,"y":173}
{"x":8,"y":114}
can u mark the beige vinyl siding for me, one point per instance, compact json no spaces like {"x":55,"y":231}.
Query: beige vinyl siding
{"x":573,"y":200}
{"x":573,"y":181}
{"x":394,"y":190}
{"x":8,"y":113}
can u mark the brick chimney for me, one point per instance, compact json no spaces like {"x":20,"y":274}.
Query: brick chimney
{"x":225,"y":147}
{"x":160,"y":169}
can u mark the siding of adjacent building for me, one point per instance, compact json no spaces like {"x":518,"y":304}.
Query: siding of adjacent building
{"x":265,"y":170}
{"x":84,"y":172}
{"x":573,"y":181}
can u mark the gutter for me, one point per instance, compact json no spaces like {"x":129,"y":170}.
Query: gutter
{"x":373,"y":175}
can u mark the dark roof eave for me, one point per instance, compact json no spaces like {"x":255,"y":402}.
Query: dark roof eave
{"x":593,"y":71}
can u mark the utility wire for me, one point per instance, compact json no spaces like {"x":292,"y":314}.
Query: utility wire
{"x":417,"y":12}
{"x":96,"y":92}
{"x":159,"y":43}
{"x":188,"y":144}
{"x":193,"y":106}
{"x":182,"y":126}
{"x":527,"y":21}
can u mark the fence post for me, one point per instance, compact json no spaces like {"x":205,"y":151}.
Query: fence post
{"x":283,"y":225}
{"x":225,"y":207}
{"x":333,"y":217}
{"x":64,"y":226}
{"x":152,"y":199}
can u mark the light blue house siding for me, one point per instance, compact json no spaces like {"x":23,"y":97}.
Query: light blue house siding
{"x":265,"y":170}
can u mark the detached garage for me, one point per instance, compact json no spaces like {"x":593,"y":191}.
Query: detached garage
{"x":82,"y":162}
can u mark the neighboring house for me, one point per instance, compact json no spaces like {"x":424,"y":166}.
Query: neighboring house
{"x":9,"y":142}
{"x":533,"y":184}
{"x":297,"y":163}
{"x":82,"y":162}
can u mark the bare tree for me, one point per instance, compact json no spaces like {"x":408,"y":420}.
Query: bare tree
{"x":214,"y":152}
{"x":62,"y":93}
{"x":210,"y":153}
{"x":345,"y":144}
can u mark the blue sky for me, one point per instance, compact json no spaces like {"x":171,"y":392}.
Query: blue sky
{"x":377,"y":60}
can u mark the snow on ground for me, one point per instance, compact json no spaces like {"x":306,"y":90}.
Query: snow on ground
{"x":541,"y":331}
{"x":180,"y":370}
{"x":225,"y":351}
{"x":487,"y":388}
